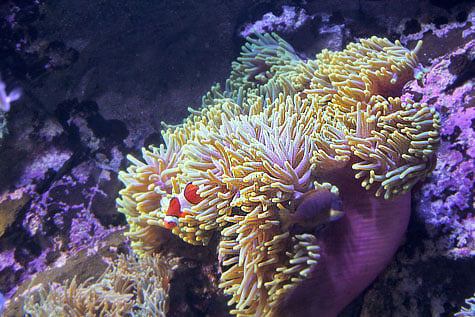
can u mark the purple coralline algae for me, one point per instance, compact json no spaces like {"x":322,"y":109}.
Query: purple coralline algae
{"x":54,"y":203}
{"x":290,"y":19}
{"x":446,"y":202}
{"x":59,"y":160}
{"x":439,"y":249}
{"x":58,"y":224}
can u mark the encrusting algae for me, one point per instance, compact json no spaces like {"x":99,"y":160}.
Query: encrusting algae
{"x":260,"y":145}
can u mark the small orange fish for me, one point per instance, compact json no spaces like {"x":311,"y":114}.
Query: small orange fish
{"x":184,"y":200}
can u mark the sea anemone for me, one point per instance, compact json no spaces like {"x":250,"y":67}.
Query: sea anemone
{"x":467,"y":311}
{"x":127,"y":288}
{"x":275,"y":156}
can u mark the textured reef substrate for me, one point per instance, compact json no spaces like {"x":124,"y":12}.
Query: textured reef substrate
{"x":84,"y":110}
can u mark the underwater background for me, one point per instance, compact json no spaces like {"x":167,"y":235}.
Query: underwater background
{"x":99,"y":77}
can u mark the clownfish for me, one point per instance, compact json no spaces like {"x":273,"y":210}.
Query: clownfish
{"x":184,"y":200}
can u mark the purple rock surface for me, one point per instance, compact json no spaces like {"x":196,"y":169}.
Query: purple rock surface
{"x":96,"y":91}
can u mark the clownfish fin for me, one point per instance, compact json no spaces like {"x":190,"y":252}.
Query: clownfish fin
{"x":191,"y":194}
{"x":170,"y":222}
{"x":174,"y":208}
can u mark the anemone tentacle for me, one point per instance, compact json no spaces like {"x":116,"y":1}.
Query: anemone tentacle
{"x":279,"y":130}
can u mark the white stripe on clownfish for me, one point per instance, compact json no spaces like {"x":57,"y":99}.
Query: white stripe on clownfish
{"x":170,"y":222}
{"x":185,"y":200}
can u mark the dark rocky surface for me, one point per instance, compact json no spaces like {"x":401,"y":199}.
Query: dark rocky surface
{"x":99,"y":77}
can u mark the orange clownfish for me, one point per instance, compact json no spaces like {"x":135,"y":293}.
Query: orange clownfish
{"x":184,"y":200}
